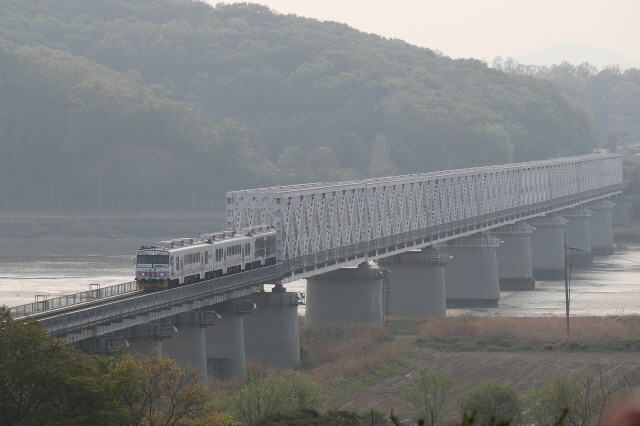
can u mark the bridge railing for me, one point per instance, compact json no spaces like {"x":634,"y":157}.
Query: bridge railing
{"x":72,"y":299}
{"x":311,"y":218}
{"x":146,"y":302}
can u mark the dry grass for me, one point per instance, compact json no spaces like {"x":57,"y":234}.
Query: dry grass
{"x":532,"y":331}
{"x":331,"y":353}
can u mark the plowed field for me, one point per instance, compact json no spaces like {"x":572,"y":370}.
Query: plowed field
{"x":526,"y":370}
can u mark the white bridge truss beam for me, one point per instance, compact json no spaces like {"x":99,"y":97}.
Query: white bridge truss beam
{"x":313,"y":219}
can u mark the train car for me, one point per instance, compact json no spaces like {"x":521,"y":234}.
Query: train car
{"x":173,"y":263}
{"x":186,"y":260}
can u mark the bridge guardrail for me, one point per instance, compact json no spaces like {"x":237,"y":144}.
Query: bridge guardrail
{"x":67,"y":322}
{"x":72,"y":299}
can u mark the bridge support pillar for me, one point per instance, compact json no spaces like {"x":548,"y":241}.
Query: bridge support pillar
{"x":601,"y":227}
{"x":578,"y":235}
{"x":187,"y":345}
{"x":271,"y":331}
{"x":622,"y":213}
{"x":471,"y":275}
{"x":547,"y":247}
{"x":417,"y":283}
{"x":225,"y":346}
{"x":348,"y":295}
{"x":514,"y":257}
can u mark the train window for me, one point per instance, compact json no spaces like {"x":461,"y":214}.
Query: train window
{"x":177,"y":263}
{"x":206,"y":257}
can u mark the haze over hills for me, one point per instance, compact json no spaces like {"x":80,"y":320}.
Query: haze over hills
{"x":174,"y":101}
{"x":576,"y":54}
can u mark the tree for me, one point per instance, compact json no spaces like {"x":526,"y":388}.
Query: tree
{"x":160,"y":393}
{"x":44,"y":381}
{"x":493,"y":399}
{"x":430,"y":392}
{"x":587,"y":396}
{"x":279,"y":392}
{"x":380,"y":162}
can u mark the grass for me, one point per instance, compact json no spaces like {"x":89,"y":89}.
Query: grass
{"x":525,"y":333}
{"x":350,"y":385}
{"x":329,"y":354}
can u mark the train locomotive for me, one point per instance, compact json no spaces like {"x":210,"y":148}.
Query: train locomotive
{"x":187,"y":260}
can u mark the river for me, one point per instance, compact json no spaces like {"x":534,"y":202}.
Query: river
{"x":55,"y":266}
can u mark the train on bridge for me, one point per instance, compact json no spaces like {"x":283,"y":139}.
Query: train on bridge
{"x":187,"y":260}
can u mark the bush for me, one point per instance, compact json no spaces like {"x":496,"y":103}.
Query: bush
{"x":311,"y":418}
{"x":430,"y":393}
{"x":492,"y":398}
{"x":281,"y":392}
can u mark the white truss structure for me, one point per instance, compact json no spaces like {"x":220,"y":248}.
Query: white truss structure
{"x":313,"y":218}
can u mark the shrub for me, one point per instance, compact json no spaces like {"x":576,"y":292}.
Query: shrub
{"x":430,"y":393}
{"x":492,"y":399}
{"x":279,"y":392}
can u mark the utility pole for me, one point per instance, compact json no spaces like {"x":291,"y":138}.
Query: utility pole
{"x":566,"y":282}
{"x":567,"y":293}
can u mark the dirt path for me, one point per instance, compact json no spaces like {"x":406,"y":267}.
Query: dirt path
{"x":526,"y":370}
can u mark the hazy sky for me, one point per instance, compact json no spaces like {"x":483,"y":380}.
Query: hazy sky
{"x":484,"y":28}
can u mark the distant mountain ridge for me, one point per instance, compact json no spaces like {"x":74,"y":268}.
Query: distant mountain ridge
{"x":577,"y":54}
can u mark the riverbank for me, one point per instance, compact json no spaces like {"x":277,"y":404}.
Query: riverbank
{"x":363,"y":366}
{"x":627,"y":233}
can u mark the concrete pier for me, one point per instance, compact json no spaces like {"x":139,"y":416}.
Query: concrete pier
{"x":601,"y":227}
{"x":417,"y":283}
{"x":622,"y":213}
{"x":225,"y":346}
{"x":187,"y":345}
{"x":578,"y":235}
{"x":271,"y":330}
{"x":348,"y":295}
{"x":471,"y":275}
{"x":547,"y":247}
{"x":515,"y":271}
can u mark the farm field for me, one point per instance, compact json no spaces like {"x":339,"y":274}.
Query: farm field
{"x":526,"y":370}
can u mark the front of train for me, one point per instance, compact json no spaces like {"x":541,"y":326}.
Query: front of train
{"x":152,"y":268}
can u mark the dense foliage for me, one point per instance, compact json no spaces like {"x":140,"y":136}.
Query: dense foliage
{"x":45,"y":382}
{"x":614,"y":94}
{"x":175,"y":99}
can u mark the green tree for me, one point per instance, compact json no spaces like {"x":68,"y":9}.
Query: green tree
{"x":380,"y":162}
{"x":44,"y":381}
{"x":279,"y":392}
{"x":430,"y":392}
{"x":492,"y":399}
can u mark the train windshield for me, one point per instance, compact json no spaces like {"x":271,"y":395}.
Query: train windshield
{"x":148,"y":259}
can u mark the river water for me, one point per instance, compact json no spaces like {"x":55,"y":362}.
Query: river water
{"x":55,"y":266}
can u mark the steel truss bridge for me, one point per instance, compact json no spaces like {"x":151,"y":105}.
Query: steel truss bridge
{"x":322,"y":227}
{"x":325,"y":226}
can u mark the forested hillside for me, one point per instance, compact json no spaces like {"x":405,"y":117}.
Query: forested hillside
{"x":164,"y":100}
{"x":614,"y":94}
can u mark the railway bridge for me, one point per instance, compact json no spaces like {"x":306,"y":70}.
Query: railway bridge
{"x":422,"y":242}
